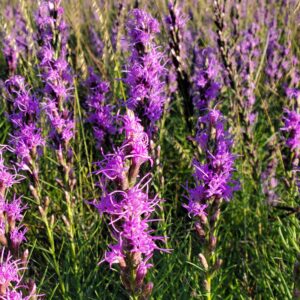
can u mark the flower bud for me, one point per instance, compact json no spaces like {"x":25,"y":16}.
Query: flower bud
{"x":212,"y":243}
{"x":199,"y":229}
{"x":140,"y":274}
{"x":147,"y":290}
{"x":203,"y":261}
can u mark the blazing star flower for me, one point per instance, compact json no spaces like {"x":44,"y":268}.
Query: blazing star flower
{"x":213,"y":177}
{"x":9,"y":271}
{"x":12,"y":234}
{"x":145,"y":68}
{"x":55,"y":71}
{"x":277,"y":63}
{"x":176,"y":22}
{"x":213,"y":183}
{"x":292,"y":128}
{"x":7,"y":177}
{"x":136,"y":140}
{"x":206,"y":85}
{"x":14,"y":210}
{"x":16,"y":43}
{"x":128,"y":205}
{"x":27,"y":140}
{"x":17,"y":236}
{"x":247,"y":58}
{"x":129,"y":213}
{"x":99,"y":111}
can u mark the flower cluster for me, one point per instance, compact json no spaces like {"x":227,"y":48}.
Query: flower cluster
{"x":277,"y":63}
{"x":27,"y":140}
{"x":145,"y":68}
{"x":292,"y":89}
{"x":213,"y":185}
{"x":206,"y":86}
{"x":181,"y":40}
{"x":16,"y":43}
{"x":292,"y":128}
{"x":176,"y":22}
{"x":129,"y":206}
{"x":247,"y":58}
{"x":55,"y":71}
{"x":100,"y":113}
{"x":96,"y":42}
{"x":213,"y":177}
{"x":12,"y":234}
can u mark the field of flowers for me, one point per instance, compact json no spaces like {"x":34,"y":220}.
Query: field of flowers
{"x":149,"y":149}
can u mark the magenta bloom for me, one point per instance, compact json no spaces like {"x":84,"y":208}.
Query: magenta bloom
{"x":9,"y":270}
{"x":213,"y":177}
{"x":206,"y":85}
{"x":292,"y":129}
{"x":129,"y":213}
{"x":16,"y":43}
{"x":56,"y":73}
{"x":145,"y":68}
{"x":100,"y":113}
{"x":136,"y":140}
{"x":26,"y":140}
{"x":12,"y":234}
{"x":128,"y":206}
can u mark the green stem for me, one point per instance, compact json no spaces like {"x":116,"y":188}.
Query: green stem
{"x":208,"y":286}
{"x":52,"y":251}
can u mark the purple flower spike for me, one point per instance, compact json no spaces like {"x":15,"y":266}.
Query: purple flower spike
{"x":131,"y":209}
{"x":145,"y":68}
{"x":27,"y":141}
{"x":292,"y":128}
{"x":127,"y":205}
{"x":100,"y":113}
{"x":213,"y":185}
{"x":206,"y":83}
{"x":277,"y":63}
{"x":17,"y":40}
{"x":247,"y":59}
{"x":213,"y":177}
{"x":56,"y":72}
{"x":12,"y":234}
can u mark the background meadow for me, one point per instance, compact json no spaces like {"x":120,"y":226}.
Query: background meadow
{"x":237,"y":57}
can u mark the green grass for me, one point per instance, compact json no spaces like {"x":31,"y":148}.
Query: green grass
{"x":257,"y":245}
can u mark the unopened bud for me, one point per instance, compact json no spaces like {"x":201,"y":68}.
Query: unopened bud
{"x":66,"y":221}
{"x":52,"y":220}
{"x":42,"y":212}
{"x":216,"y":215}
{"x":59,"y":181}
{"x":25,"y":257}
{"x":3,"y":239}
{"x":140,"y":274}
{"x":200,"y":231}
{"x":212,"y":243}
{"x":137,"y":258}
{"x":147,"y":290}
{"x":203,"y":218}
{"x":46,"y":202}
{"x":67,"y":196}
{"x":32,"y":290}
{"x":203,"y":261}
{"x":218,"y":264}
{"x":34,"y":192}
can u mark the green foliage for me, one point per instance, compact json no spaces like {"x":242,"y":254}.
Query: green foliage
{"x":257,"y":245}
